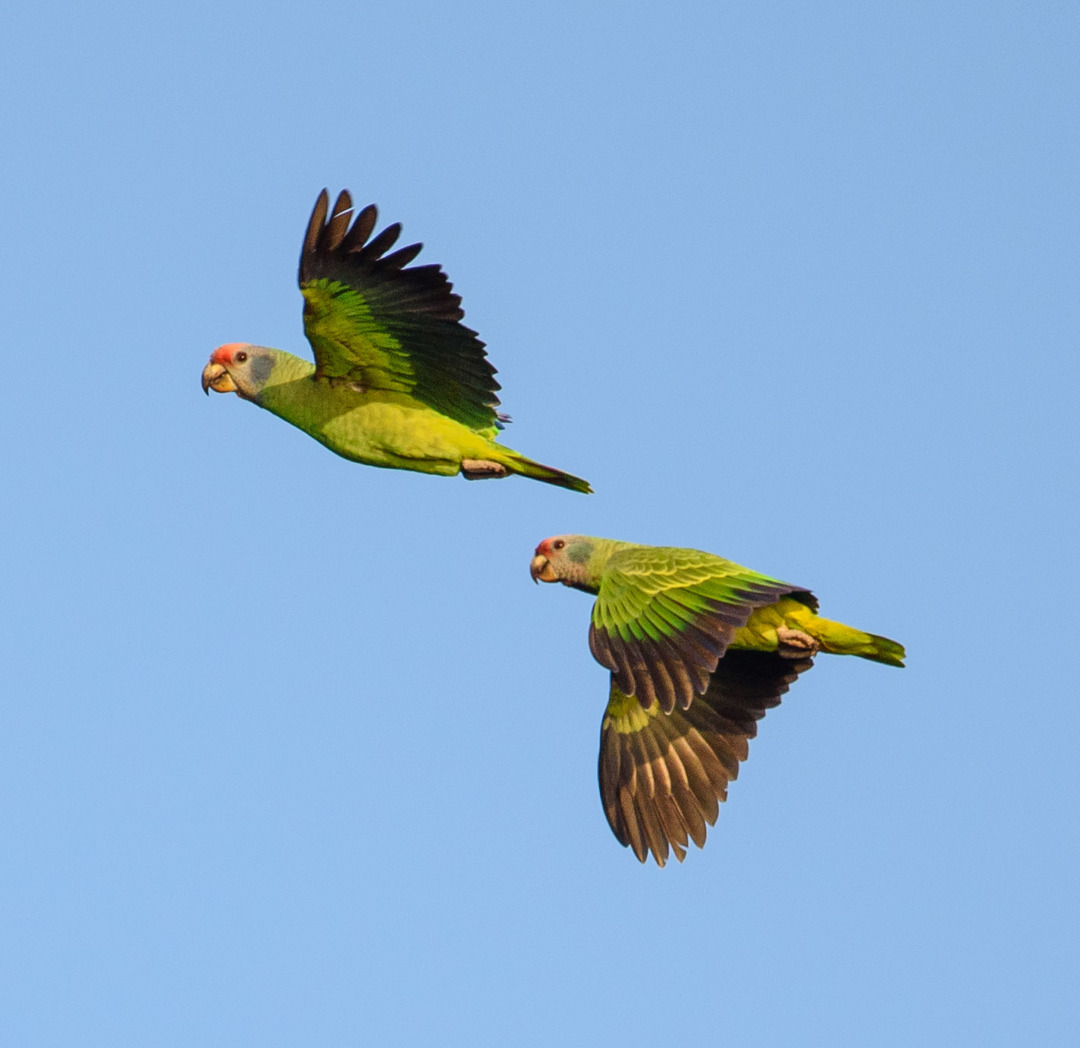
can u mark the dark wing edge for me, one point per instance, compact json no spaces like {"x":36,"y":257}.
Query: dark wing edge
{"x":416,"y":303}
{"x":663,"y":775}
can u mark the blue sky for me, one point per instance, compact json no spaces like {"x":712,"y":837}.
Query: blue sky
{"x":293,"y":752}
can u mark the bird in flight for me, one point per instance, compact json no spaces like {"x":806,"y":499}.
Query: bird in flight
{"x":398,"y":380}
{"x":698,"y":648}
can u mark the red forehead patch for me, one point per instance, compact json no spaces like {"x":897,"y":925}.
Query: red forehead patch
{"x":224,"y":354}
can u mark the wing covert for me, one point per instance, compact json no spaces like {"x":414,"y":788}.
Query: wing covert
{"x":664,"y":617}
{"x":374,"y":320}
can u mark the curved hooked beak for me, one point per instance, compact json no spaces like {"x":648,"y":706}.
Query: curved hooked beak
{"x":216,"y":378}
{"x":541,"y":570}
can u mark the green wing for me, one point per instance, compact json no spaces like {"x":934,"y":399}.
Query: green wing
{"x":376,"y":323}
{"x":664,"y":617}
{"x":663,"y":776}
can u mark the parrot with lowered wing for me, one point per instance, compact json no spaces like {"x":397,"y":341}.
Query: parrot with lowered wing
{"x":698,"y":648}
{"x":398,"y":381}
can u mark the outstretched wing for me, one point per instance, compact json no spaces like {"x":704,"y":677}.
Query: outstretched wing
{"x":374,"y":320}
{"x":664,"y":616}
{"x":663,"y":775}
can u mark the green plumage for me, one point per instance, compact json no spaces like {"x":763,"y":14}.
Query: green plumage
{"x":398,"y":380}
{"x":374,"y":322}
{"x":665,"y":615}
{"x":698,"y":647}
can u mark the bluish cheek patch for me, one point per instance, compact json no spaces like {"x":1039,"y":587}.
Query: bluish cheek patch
{"x":261,"y":367}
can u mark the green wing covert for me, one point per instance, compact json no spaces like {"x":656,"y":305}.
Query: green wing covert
{"x":376,"y":322}
{"x":664,"y":616}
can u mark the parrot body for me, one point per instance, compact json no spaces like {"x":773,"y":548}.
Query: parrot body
{"x":765,"y":630}
{"x":375,"y":427}
{"x":698,"y":648}
{"x":398,"y":381}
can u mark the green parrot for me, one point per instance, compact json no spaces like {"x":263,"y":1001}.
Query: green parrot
{"x":398,"y":380}
{"x":698,"y":648}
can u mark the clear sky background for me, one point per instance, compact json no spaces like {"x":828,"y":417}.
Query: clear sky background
{"x":292,"y":752}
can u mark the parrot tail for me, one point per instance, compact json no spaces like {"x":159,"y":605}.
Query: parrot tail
{"x":518,"y":463}
{"x":838,"y":639}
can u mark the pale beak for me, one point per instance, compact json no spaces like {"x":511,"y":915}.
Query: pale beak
{"x":541,"y":570}
{"x":216,"y":378}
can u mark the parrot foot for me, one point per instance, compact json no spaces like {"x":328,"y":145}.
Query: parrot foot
{"x":794,"y":644}
{"x":482,"y":469}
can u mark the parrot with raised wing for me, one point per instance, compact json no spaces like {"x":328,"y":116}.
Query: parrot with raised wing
{"x":698,"y":648}
{"x":398,"y":380}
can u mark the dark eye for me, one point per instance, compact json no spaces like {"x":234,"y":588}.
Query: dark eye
{"x":241,"y":357}
{"x":558,"y":544}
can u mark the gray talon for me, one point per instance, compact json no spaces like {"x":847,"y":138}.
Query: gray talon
{"x":794,"y":644}
{"x":482,"y":469}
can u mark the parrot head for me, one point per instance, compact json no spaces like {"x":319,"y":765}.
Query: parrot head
{"x":238,"y":368}
{"x":566,"y":559}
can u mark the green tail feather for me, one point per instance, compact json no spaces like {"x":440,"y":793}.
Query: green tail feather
{"x":887,"y":651}
{"x":527,"y":468}
{"x":838,"y":639}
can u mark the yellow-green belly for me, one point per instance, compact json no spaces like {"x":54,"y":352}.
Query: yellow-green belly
{"x":391,"y":430}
